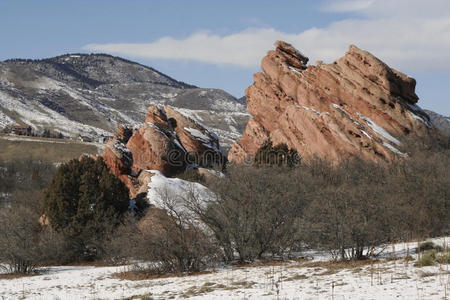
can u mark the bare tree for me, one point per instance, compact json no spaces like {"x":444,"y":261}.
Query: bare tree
{"x":24,"y":244}
{"x":254,"y":212}
{"x":169,"y":236}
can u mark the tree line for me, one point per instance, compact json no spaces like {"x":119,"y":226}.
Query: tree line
{"x":275,"y":208}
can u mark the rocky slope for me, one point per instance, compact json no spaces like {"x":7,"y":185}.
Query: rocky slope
{"x":169,"y":142}
{"x":439,"y":121}
{"x":356,"y":106}
{"x":90,"y":94}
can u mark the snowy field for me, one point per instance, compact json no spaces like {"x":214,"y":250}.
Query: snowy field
{"x":310,"y":279}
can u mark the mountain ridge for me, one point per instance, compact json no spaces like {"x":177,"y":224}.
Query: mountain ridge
{"x":89,"y":94}
{"x":439,"y":121}
{"x":67,"y":55}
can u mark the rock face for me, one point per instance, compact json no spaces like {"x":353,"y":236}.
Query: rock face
{"x":356,"y":106}
{"x":168,"y":141}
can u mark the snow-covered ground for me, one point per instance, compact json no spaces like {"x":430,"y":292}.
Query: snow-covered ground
{"x":312,"y":279}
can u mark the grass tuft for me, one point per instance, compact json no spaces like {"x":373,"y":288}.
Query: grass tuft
{"x":428,"y":259}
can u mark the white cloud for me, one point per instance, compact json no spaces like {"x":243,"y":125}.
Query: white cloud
{"x":407,"y":34}
{"x":242,"y":49}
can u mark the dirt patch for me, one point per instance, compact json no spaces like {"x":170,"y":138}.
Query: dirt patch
{"x":297,"y":277}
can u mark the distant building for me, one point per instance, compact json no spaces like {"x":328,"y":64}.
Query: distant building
{"x":21,"y":130}
{"x":85,"y":139}
{"x":103,"y":139}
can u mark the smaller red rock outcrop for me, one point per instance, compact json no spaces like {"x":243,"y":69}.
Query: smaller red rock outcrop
{"x":169,"y":141}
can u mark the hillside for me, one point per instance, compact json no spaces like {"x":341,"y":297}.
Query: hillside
{"x":79,"y":94}
{"x":439,"y":121}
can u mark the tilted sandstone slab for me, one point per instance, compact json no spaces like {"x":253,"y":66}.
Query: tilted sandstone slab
{"x":168,"y":141}
{"x":355,"y":106}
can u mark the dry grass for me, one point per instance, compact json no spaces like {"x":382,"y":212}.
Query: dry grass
{"x":327,"y":272}
{"x":209,"y":287}
{"x":14,"y":276}
{"x":297,"y":277}
{"x":197,"y":291}
{"x":136,"y":275}
{"x":261,"y":263}
{"x":43,"y":149}
{"x":141,"y":297}
{"x":336,"y":265}
{"x":427,"y":274}
{"x":428,"y":258}
{"x":96,"y":263}
{"x":243,"y":284}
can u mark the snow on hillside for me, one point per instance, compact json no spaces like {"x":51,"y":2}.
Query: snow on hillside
{"x":5,"y":120}
{"x":310,"y":279}
{"x":87,"y":92}
{"x":33,"y":113}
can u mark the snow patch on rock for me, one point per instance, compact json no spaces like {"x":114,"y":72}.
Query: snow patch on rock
{"x":380,"y":130}
{"x":162,"y":188}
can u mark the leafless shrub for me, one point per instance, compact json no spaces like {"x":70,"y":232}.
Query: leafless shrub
{"x":169,"y":238}
{"x":347,"y":209}
{"x":251,"y":213}
{"x":361,"y":205}
{"x":24,"y":244}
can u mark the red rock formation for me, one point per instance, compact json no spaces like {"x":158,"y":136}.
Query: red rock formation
{"x":193,"y":136}
{"x":119,"y":160}
{"x":356,"y":106}
{"x":168,"y":142}
{"x":123,"y":133}
{"x":150,"y":145}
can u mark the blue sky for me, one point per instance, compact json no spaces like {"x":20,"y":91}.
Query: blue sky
{"x":220,"y":43}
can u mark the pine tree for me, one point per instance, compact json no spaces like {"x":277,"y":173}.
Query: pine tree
{"x":279,"y":155}
{"x":84,"y":201}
